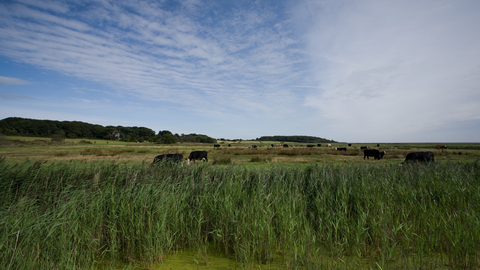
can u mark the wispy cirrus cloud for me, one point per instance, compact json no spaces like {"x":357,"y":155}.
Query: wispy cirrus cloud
{"x":146,"y":49}
{"x":364,"y":70}
{"x":12,"y":81}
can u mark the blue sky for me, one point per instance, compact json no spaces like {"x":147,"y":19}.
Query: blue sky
{"x":353,"y":71}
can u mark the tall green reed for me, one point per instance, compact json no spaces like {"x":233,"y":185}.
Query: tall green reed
{"x":76,"y":214}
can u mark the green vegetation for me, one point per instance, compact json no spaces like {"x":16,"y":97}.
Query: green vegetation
{"x":59,"y":130}
{"x":77,"y":214}
{"x":16,"y":148}
{"x":298,"y":139}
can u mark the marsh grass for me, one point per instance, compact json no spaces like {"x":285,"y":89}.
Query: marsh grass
{"x":105,"y":152}
{"x":61,"y":153}
{"x":66,"y":215}
{"x":261,"y":159}
{"x":222,"y":160}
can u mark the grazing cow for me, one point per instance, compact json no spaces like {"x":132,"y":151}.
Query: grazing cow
{"x":198,"y":155}
{"x":319,"y":144}
{"x":216,"y":146}
{"x":341,"y":149}
{"x":441,"y":147}
{"x":373,"y":153}
{"x":420,"y":157}
{"x":254,"y":146}
{"x":272,"y":145}
{"x":229,"y":145}
{"x":349,"y":144}
{"x":363,"y":147}
{"x":378,"y":145}
{"x":285,"y":146}
{"x":310,"y":145}
{"x":329,"y":145}
{"x":168,"y":157}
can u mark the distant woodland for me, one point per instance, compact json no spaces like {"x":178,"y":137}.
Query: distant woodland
{"x":300,"y":139}
{"x":58,"y":130}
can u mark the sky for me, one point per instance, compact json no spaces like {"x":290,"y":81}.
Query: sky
{"x":344,"y":70}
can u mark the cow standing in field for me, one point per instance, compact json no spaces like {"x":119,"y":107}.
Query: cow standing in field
{"x":198,"y":155}
{"x":420,"y":157}
{"x":216,"y":146}
{"x":168,"y":157}
{"x":373,"y":153}
{"x":363,"y":147}
{"x":329,"y":145}
{"x":319,"y":144}
{"x":285,"y":146}
{"x":341,"y":149}
{"x":310,"y":145}
{"x":441,"y":147}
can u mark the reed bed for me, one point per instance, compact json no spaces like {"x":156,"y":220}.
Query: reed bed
{"x":76,"y":215}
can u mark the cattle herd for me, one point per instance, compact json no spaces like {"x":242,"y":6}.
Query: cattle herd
{"x":367,"y":153}
{"x":195,"y":155}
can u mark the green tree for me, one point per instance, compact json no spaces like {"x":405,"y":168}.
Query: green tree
{"x":59,"y":136}
{"x":167,"y":139}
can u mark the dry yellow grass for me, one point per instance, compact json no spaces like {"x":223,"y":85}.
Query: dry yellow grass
{"x":237,"y":153}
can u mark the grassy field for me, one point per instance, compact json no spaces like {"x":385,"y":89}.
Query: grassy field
{"x":96,"y":205}
{"x":116,"y":215}
{"x":238,"y":153}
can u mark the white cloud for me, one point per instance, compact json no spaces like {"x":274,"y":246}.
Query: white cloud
{"x":162,"y":54}
{"x":347,"y":70}
{"x":395,"y":69}
{"x":12,"y":81}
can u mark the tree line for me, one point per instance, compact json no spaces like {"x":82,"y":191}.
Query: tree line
{"x":58,"y":130}
{"x":296,"y":138}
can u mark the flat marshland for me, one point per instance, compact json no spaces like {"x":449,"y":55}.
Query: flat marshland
{"x":259,"y":213}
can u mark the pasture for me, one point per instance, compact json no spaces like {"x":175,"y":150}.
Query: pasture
{"x":85,"y":206}
{"x":238,"y":153}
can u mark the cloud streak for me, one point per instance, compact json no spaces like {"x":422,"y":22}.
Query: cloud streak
{"x":162,"y":54}
{"x":405,"y":68}
{"x":12,"y":81}
{"x":347,"y":70}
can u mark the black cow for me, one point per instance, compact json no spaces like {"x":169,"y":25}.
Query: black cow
{"x":198,"y":155}
{"x":378,"y":145}
{"x":373,"y":153}
{"x":229,"y":145}
{"x":254,"y":146}
{"x":349,"y":144}
{"x":168,"y":157}
{"x":272,"y":145}
{"x":319,"y":144}
{"x":285,"y":146}
{"x":341,"y":149}
{"x":310,"y":145}
{"x":363,"y":147}
{"x":420,"y":157}
{"x":216,"y":146}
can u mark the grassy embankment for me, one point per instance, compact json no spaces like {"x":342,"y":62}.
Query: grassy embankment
{"x":76,"y":214}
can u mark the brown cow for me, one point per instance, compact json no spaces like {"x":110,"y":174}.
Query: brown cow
{"x":441,"y":147}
